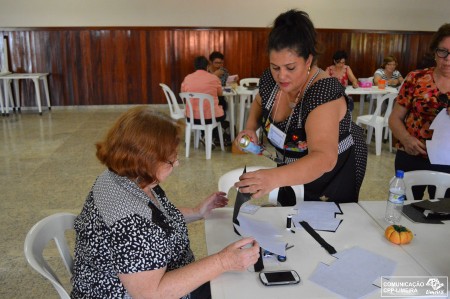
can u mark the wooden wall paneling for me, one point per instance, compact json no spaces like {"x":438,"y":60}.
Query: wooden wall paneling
{"x":124,"y":65}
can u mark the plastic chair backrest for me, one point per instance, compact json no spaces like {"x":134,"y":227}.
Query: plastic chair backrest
{"x":246,"y":81}
{"x":175,"y":111}
{"x":427,"y":177}
{"x":50,"y":228}
{"x":227,"y":180}
{"x":390,"y":97}
{"x":194,"y":99}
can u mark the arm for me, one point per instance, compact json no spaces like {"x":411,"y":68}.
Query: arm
{"x":215,"y":200}
{"x":376,"y":77}
{"x":322,"y":129}
{"x":252,"y":122}
{"x":411,"y":144}
{"x":177,"y":283}
{"x":352,"y":78}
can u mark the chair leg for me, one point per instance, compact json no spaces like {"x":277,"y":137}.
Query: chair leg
{"x":390,"y":140}
{"x":369,"y":134}
{"x":219,"y":128}
{"x":208,"y":141}
{"x":378,"y":139}
{"x":187,"y":139}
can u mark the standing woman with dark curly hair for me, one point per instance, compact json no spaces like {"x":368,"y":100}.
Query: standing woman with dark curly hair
{"x":306,"y":116}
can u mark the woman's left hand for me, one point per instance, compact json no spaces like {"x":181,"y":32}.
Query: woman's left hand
{"x":215,"y":200}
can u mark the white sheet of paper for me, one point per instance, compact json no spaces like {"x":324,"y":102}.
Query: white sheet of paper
{"x":438,"y":147}
{"x":353,"y":273}
{"x":268,"y":236}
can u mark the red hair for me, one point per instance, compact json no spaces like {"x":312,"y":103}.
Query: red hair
{"x":138,"y":141}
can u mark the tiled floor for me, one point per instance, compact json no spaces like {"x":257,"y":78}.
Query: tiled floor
{"x":48,"y":164}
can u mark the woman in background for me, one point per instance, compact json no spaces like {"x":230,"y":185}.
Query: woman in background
{"x":388,"y":72}
{"x":341,"y":71}
{"x":131,"y":241}
{"x":422,"y":96}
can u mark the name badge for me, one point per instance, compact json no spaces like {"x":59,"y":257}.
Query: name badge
{"x":276,"y":136}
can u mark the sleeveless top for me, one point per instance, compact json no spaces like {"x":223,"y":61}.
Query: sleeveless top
{"x":342,"y":184}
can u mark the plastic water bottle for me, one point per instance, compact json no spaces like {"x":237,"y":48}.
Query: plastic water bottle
{"x":396,"y":198}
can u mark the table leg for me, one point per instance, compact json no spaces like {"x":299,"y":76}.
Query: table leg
{"x":38,"y":95}
{"x":242,"y":100}
{"x":47,"y":95}
{"x":1,"y":98}
{"x":361,"y":104}
{"x":232,"y":118}
{"x":17,"y":93}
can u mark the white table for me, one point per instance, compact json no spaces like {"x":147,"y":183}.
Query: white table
{"x":431,"y":244}
{"x":36,"y":78}
{"x":357,"y":229}
{"x":362,"y":92}
{"x":245,"y":95}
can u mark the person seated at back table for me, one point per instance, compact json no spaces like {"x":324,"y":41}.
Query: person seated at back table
{"x":204,"y":82}
{"x":340,"y":70}
{"x":388,"y":72}
{"x":131,"y":240}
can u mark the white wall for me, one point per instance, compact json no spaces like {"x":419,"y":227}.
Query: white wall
{"x":413,"y":15}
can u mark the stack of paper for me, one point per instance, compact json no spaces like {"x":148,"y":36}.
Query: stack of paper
{"x":320,"y":215}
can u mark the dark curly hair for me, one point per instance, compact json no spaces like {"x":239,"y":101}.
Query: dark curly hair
{"x":294,"y":30}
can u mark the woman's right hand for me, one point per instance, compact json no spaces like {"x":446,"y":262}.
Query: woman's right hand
{"x":239,"y":255}
{"x":413,"y":146}
{"x":250,"y":133}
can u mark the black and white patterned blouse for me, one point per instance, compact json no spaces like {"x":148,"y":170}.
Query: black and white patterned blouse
{"x":342,"y":184}
{"x":119,"y":230}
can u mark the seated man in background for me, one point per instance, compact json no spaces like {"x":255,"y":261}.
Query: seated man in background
{"x":204,"y":82}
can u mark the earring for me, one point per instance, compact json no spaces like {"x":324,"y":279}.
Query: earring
{"x":309,"y":70}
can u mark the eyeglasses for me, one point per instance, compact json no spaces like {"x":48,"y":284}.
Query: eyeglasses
{"x":442,"y":53}
{"x":173,"y":163}
{"x":443,"y":98}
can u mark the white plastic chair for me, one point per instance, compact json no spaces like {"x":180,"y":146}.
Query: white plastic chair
{"x":246,"y":81}
{"x":426,"y":177}
{"x":378,"y":122}
{"x":227,"y":180}
{"x":176,"y":112}
{"x":50,"y":228}
{"x":198,"y":99}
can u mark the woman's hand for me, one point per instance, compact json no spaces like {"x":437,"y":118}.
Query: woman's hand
{"x":215,"y":200}
{"x":413,"y":146}
{"x":239,"y":255}
{"x":258,"y":183}
{"x":250,"y":133}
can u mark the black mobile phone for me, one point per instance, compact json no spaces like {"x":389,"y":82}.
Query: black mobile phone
{"x":283,"y":277}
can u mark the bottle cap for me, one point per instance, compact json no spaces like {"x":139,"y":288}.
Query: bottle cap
{"x":399,"y":174}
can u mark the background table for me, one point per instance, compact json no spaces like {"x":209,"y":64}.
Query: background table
{"x":243,"y":94}
{"x":357,"y":229}
{"x":374,"y":90}
{"x":431,"y":244}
